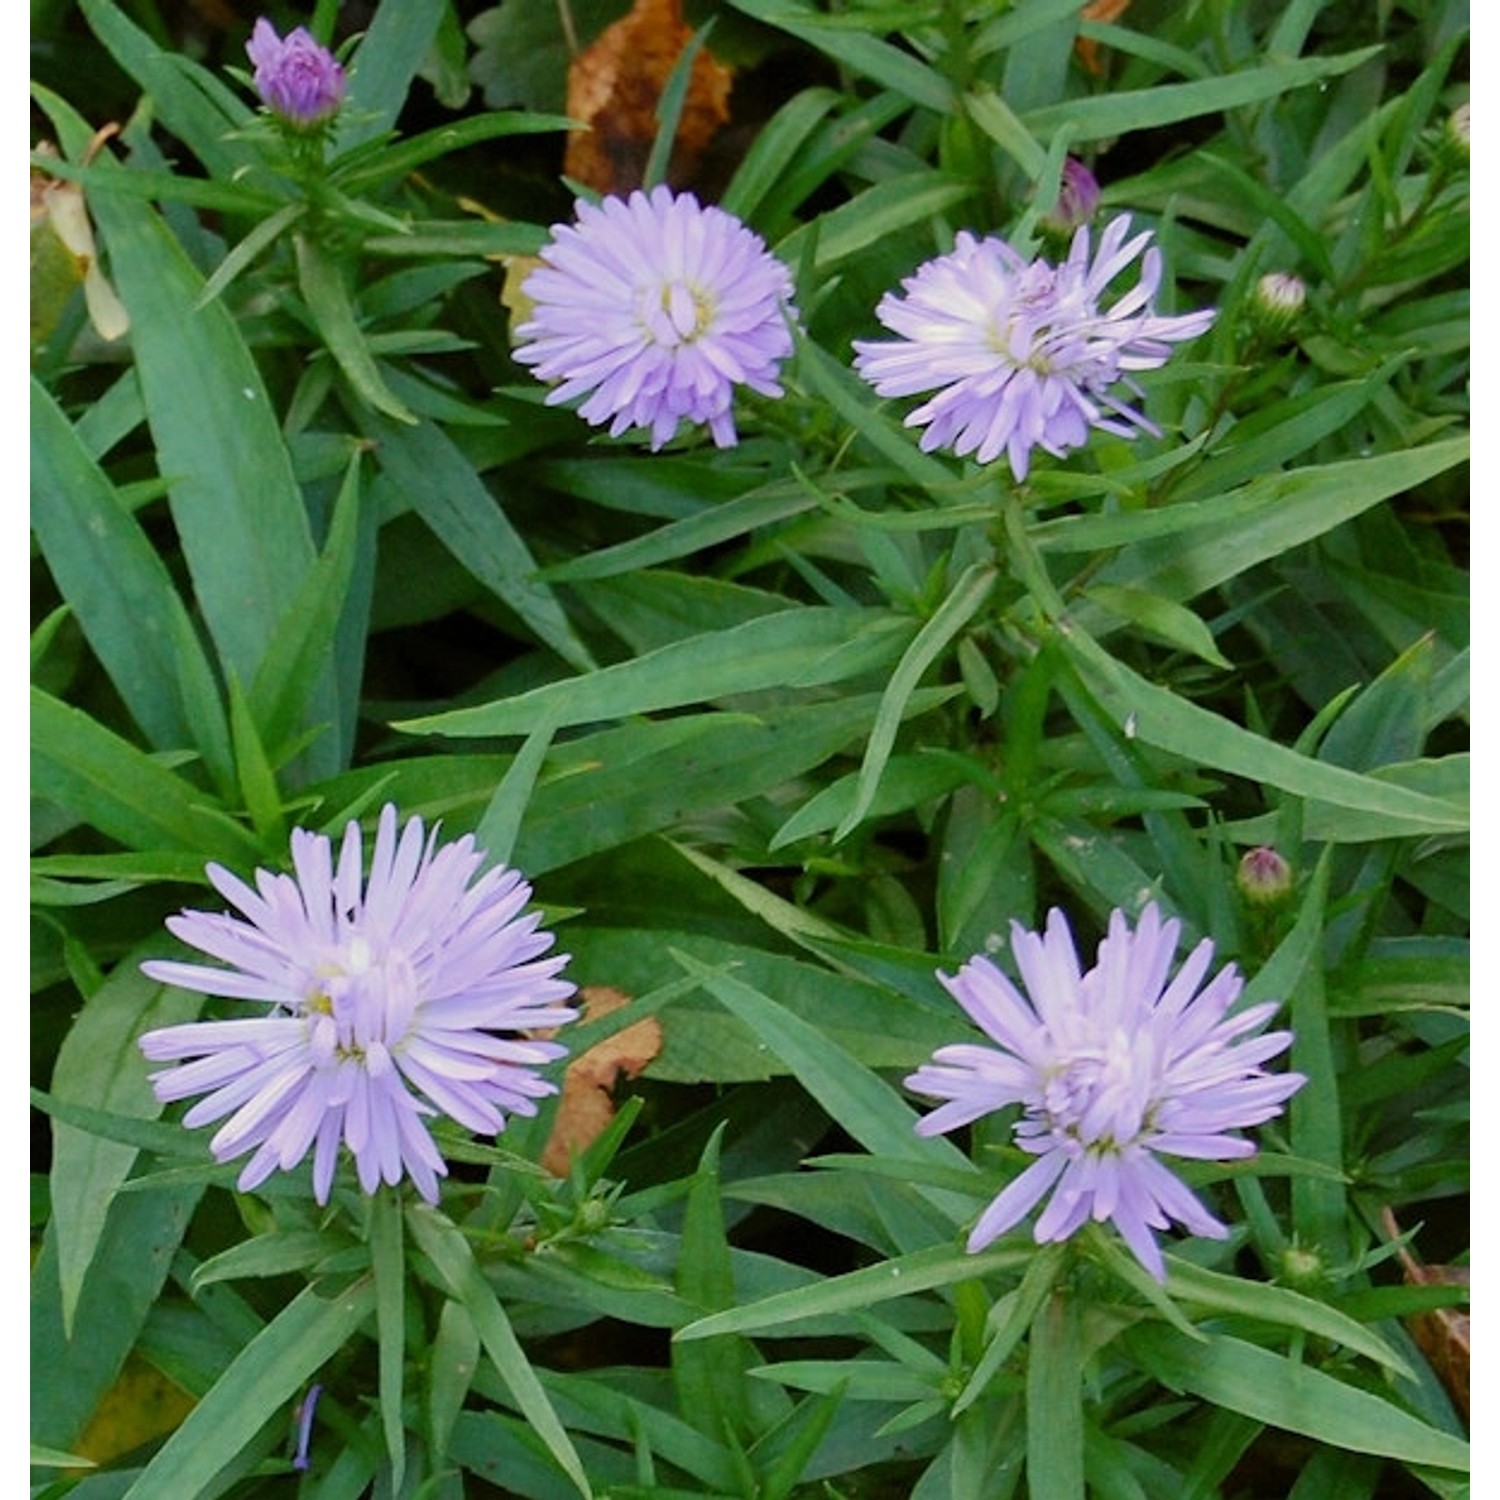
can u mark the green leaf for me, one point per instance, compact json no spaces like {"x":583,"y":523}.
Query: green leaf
{"x":763,"y":506}
{"x":399,"y":160}
{"x":850,"y":398}
{"x":274,"y":1254}
{"x":114,"y":581}
{"x":1319,"y":1204}
{"x":669,"y":106}
{"x":797,"y":648}
{"x":1123,"y":111}
{"x":105,"y":781}
{"x":392,"y":51}
{"x":322,"y":284}
{"x":1054,"y":1402}
{"x":186,"y":99}
{"x":425,"y":468}
{"x":306,"y":638}
{"x":1010,"y":1317}
{"x":709,"y":1376}
{"x":264,"y":1377}
{"x":388,"y":1266}
{"x":235,"y":503}
{"x":69,"y":1376}
{"x":922,"y":1271}
{"x":999,"y":121}
{"x":892,"y":66}
{"x":776,"y":143}
{"x":498,"y":828}
{"x":442,"y":1243}
{"x":257,"y":779}
{"x":874,"y":215}
{"x":1181,"y":550}
{"x":966,"y":599}
{"x":1293,"y":1396}
{"x":1237,"y":1297}
{"x":1157,"y":716}
{"x":907,"y":781}
{"x":99,"y":1064}
{"x":451,"y":1363}
{"x":862,"y":1102}
{"x":1164,"y":619}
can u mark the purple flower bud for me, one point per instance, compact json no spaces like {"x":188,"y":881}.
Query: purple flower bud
{"x":1077,"y":198}
{"x":1264,"y":878}
{"x":305,"y":1410}
{"x":296,"y":78}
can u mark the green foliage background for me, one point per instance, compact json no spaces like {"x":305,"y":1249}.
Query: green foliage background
{"x":777,"y":732}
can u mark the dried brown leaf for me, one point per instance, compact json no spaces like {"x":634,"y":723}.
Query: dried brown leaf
{"x":1098,"y":10}
{"x":1443,"y":1333}
{"x":615,"y":86}
{"x":63,"y":252}
{"x":587,"y":1105}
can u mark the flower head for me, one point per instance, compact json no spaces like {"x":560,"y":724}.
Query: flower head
{"x":1112,"y":1069}
{"x":1019,"y":352}
{"x":656,"y":308}
{"x":296,"y":78}
{"x":407,"y":994}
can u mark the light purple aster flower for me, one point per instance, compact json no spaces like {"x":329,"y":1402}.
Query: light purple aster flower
{"x":1112,"y":1068}
{"x":655,"y":308}
{"x":296,"y":78}
{"x":1019,"y":352}
{"x":403,"y":995}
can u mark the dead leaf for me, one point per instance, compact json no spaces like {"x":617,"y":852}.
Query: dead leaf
{"x":587,"y":1103}
{"x":1443,"y":1333}
{"x":1098,"y":10}
{"x":615,"y":86}
{"x":140,"y":1406}
{"x":63,"y":253}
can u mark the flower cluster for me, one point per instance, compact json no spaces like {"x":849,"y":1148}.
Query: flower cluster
{"x":656,"y":309}
{"x":1111,"y":1068}
{"x":299,"y":81}
{"x":410,"y":993}
{"x":1020,"y":353}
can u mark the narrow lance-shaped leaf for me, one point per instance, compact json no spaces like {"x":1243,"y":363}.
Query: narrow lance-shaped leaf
{"x":106,"y":781}
{"x":922,"y":1271}
{"x":426,"y":468}
{"x":100,"y":1065}
{"x":322,"y":284}
{"x":1054,"y":1402}
{"x":442,"y":1243}
{"x":803,"y":647}
{"x":388,"y":1264}
{"x":957,"y":610}
{"x":1292,"y":1395}
{"x":112,"y":577}
{"x":263,"y":1379}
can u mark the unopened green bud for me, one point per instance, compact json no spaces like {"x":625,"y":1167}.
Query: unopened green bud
{"x":1264,"y":877}
{"x":593,"y":1216}
{"x":1301,"y":1268}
